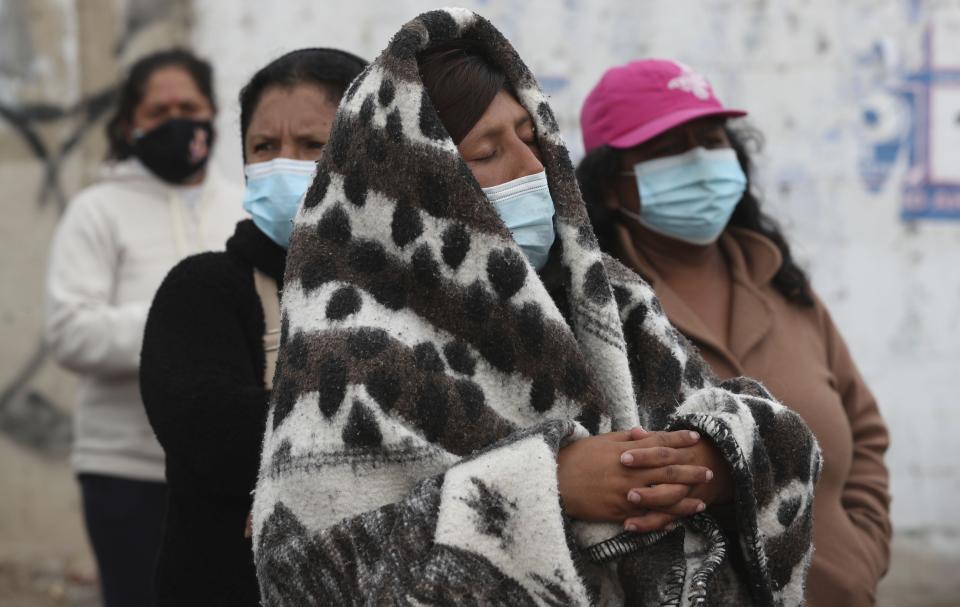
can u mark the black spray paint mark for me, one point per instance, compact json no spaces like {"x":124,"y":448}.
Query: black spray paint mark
{"x":24,"y":121}
{"x":29,"y":419}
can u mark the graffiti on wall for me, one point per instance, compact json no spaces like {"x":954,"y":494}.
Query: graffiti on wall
{"x":28,"y":417}
{"x":932,"y":186}
{"x":25,"y":121}
{"x":915,"y":121}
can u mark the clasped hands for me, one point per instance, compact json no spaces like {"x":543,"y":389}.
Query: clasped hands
{"x":644,"y":480}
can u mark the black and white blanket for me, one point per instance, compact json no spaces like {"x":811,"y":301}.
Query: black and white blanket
{"x":428,"y":376}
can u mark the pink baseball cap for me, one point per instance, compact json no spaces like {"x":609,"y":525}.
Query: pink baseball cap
{"x":636,"y":102}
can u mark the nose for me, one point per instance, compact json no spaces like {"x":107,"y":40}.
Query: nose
{"x":288,"y":149}
{"x":526,"y":161}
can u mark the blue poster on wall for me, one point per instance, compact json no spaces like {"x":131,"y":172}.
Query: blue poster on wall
{"x":918,"y":119}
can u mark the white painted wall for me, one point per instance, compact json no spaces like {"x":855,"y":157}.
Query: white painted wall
{"x":57,"y":57}
{"x":817,"y":78}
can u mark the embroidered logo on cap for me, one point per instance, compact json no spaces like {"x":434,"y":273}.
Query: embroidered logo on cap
{"x":691,"y":82}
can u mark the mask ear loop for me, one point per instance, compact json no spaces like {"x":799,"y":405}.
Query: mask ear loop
{"x":630,"y":214}
{"x":621,"y":212}
{"x":622,"y":233}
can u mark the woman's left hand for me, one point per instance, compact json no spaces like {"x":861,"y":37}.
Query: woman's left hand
{"x":661,"y":500}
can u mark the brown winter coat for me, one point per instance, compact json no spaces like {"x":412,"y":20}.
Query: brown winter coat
{"x":800,"y":356}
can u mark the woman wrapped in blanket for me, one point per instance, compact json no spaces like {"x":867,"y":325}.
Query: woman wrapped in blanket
{"x":463,"y":376}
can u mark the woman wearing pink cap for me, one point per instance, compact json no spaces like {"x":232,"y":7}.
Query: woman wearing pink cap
{"x":667,"y":186}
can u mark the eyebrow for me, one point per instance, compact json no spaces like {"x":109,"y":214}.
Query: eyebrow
{"x":310,"y":137}
{"x":516,"y":125}
{"x":666,"y":138}
{"x":701,"y":129}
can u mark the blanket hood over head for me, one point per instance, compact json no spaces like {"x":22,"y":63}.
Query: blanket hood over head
{"x":396,"y":212}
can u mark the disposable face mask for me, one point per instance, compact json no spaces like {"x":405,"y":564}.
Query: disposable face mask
{"x":274,"y":190}
{"x":175,"y":150}
{"x":690,"y":196}
{"x":525,"y":206}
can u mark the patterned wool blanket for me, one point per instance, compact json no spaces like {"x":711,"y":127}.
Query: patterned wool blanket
{"x":428,"y":376}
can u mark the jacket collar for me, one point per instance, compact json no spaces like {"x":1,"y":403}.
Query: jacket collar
{"x":132,"y":170}
{"x":754,"y":261}
{"x":753,"y":254}
{"x":256,"y":248}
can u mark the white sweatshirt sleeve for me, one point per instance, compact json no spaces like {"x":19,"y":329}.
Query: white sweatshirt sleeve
{"x":85,"y":330}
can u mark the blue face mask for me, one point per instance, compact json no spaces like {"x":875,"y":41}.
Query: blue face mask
{"x":690,"y":196}
{"x":525,"y":206}
{"x":274,"y":190}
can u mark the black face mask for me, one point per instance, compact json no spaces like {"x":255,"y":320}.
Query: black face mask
{"x":176,"y":150}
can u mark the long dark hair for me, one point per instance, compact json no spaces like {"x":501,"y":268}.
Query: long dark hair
{"x":330,"y":69}
{"x":461,"y":83}
{"x":601,"y":166}
{"x":131,"y":93}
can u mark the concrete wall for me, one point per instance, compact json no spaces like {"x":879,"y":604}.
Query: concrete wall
{"x":857,"y":99}
{"x":835,"y":86}
{"x":59,"y":61}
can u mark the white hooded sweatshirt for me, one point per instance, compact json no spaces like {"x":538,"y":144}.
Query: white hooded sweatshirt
{"x":113,"y":247}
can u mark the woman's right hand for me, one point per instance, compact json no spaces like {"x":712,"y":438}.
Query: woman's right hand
{"x":594,"y":484}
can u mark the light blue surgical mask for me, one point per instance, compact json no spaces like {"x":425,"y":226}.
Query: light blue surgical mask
{"x":690,"y":196}
{"x":274,"y":191}
{"x":525,"y":206}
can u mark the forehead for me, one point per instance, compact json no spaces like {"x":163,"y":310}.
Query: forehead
{"x":302,"y":105}
{"x":707,"y":124}
{"x":503,"y":113}
{"x":170,"y":82}
{"x":696,"y":132}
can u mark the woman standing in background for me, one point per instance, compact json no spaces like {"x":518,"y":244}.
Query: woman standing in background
{"x":667,"y":185}
{"x":156,"y":203}
{"x":210,"y":342}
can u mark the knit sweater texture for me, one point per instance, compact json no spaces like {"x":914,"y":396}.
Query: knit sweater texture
{"x":428,"y":376}
{"x":202,"y":378}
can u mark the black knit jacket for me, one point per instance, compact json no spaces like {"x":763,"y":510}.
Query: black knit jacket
{"x":201,"y":377}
